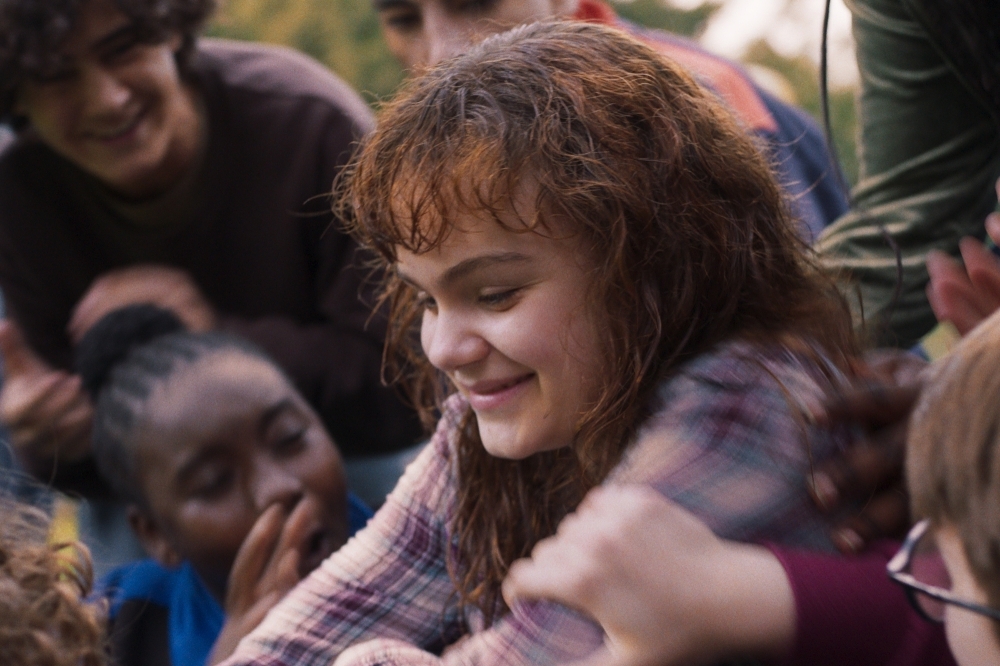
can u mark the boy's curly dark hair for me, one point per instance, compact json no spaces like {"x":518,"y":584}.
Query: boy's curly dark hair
{"x":32,"y":33}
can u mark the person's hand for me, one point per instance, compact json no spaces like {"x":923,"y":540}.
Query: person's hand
{"x":265,"y":569}
{"x":46,"y":410}
{"x":169,"y":288}
{"x":871,"y":470}
{"x":663,"y":587}
{"x":966,"y":295}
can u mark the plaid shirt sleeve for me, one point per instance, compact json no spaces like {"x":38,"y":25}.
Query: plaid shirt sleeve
{"x":734,"y":443}
{"x":729,"y":442}
{"x":389,"y":580}
{"x":387,"y":592}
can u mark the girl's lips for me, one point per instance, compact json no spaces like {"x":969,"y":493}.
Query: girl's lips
{"x":492,"y":394}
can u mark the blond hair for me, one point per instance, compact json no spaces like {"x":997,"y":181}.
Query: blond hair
{"x":953,"y":459}
{"x":44,"y":619}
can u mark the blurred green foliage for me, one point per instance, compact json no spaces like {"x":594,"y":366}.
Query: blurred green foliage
{"x":344,"y":34}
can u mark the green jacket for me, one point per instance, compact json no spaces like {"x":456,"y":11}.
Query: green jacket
{"x":929,"y":152}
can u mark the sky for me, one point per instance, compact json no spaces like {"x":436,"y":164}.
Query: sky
{"x":791,"y":27}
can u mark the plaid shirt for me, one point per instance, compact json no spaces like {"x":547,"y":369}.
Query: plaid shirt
{"x":730,"y":441}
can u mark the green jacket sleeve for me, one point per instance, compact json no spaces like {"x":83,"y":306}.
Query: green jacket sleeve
{"x":929,"y":157}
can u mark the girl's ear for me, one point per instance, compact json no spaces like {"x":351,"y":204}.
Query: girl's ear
{"x":152,"y":538}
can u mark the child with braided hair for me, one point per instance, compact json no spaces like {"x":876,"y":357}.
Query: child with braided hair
{"x":234,"y":487}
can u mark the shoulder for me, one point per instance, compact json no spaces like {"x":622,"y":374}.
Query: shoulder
{"x":145,"y":580}
{"x":726,"y":78}
{"x":802,"y":372}
{"x":745,"y":403}
{"x":26,"y":161}
{"x":267,"y":72}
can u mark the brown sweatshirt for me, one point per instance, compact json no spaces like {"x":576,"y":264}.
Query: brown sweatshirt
{"x":250,"y":226}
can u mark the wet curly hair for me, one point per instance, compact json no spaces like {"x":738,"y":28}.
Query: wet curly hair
{"x":690,"y":239}
{"x":44,"y":620}
{"x":32,"y":33}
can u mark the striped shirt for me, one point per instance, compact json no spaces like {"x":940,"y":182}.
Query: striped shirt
{"x":729,"y":440}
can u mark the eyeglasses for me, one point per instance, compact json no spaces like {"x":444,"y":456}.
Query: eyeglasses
{"x":920,"y":569}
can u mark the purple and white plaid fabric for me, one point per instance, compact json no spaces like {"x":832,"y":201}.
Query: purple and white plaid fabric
{"x":731,"y":441}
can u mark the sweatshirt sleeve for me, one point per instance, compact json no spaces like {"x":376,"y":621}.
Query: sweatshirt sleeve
{"x":848,"y":611}
{"x":929,"y":157}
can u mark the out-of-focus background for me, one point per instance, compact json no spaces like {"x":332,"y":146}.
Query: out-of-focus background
{"x":778,"y":40}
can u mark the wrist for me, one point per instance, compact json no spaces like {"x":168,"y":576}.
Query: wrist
{"x":757,"y":607}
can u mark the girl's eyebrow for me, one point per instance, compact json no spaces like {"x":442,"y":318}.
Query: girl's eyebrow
{"x":471,"y":265}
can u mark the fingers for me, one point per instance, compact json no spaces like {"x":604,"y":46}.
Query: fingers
{"x":252,"y":559}
{"x":887,"y":515}
{"x":993,"y":227}
{"x":18,"y":357}
{"x":166,"y":287}
{"x":267,"y":563}
{"x":873,"y":405}
{"x":47,"y":414}
{"x":952,"y":295}
{"x":860,"y":471}
{"x":293,"y":541}
{"x":983,"y":268}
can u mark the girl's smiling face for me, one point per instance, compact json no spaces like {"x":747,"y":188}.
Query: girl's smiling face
{"x":507,"y":319}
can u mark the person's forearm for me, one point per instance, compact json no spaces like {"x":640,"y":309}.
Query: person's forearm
{"x":848,"y":611}
{"x":929,"y":154}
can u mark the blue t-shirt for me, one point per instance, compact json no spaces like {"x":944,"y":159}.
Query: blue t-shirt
{"x":195,"y":617}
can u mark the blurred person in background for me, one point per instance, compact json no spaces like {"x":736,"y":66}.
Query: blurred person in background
{"x":420,"y":33}
{"x":929,"y":156}
{"x":152,"y":166}
{"x":423,"y":32}
{"x":233,"y":486}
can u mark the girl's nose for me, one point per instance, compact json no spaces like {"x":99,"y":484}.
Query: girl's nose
{"x":274,"y":485}
{"x":451,"y":341}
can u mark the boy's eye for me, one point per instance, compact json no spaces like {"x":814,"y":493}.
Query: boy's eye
{"x":403,"y":20}
{"x":477,"y":6}
{"x":121,"y":49}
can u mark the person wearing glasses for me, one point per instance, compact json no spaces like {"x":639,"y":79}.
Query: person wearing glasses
{"x":707,"y":599}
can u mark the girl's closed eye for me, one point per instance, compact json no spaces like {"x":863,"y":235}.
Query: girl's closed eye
{"x":212,"y":481}
{"x":426,"y":302}
{"x":287,"y":435}
{"x":499,"y":299}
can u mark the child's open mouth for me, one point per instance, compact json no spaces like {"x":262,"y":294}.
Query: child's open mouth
{"x":317,"y":548}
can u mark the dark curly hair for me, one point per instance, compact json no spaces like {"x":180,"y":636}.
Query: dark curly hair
{"x":691,"y":242}
{"x":32,"y":33}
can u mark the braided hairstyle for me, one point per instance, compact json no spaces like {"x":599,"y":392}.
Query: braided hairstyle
{"x":121,"y":360}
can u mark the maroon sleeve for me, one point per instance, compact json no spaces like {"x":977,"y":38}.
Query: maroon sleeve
{"x":848,"y":611}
